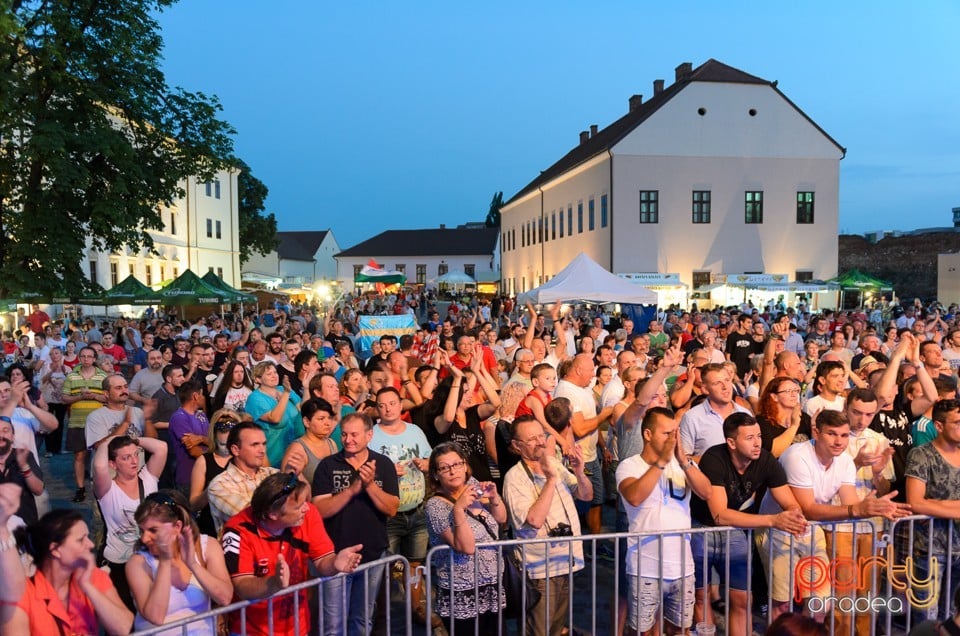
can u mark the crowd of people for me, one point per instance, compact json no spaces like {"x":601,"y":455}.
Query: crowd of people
{"x":231,"y":458}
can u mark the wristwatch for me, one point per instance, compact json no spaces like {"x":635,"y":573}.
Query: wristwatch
{"x":690,"y":464}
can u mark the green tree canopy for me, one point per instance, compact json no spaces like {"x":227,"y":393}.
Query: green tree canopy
{"x":93,"y":141}
{"x":257,"y":233}
{"x":493,"y":215}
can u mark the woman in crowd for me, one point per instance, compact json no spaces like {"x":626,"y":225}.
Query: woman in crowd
{"x":177,"y":571}
{"x":19,"y":372}
{"x":234,"y":389}
{"x":211,"y":464}
{"x":752,"y":381}
{"x":24,"y":352}
{"x":587,"y":346}
{"x":70,"y":358}
{"x":120,"y":495}
{"x":604,"y":375}
{"x":353,"y":388}
{"x":464,"y":513}
{"x":274,"y":407}
{"x":52,"y":375}
{"x":68,"y":594}
{"x":782,"y":422}
{"x":890,"y":341}
{"x":306,"y":452}
{"x":464,"y":415}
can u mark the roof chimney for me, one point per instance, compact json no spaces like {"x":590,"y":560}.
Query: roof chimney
{"x":443,"y":226}
{"x":683,"y":70}
{"x":584,"y":137}
{"x":635,"y":102}
{"x":657,"y":87}
{"x":593,"y":130}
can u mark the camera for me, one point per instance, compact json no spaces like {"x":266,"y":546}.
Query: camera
{"x":561,"y":530}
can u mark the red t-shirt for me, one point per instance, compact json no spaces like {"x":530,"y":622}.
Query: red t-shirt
{"x":523,"y":409}
{"x":489,"y":362}
{"x":118,"y":354}
{"x":249,"y":551}
{"x":46,"y":612}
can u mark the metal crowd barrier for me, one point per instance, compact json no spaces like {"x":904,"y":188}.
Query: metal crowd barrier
{"x":393,"y":623}
{"x":880,"y":582}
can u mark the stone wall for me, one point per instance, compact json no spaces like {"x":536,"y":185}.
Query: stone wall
{"x":909,"y":262}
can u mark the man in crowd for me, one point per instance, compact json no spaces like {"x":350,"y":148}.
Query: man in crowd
{"x":586,"y":421}
{"x":231,"y":490}
{"x":83,"y":392}
{"x":189,"y":430}
{"x":655,"y":486}
{"x":740,"y":345}
{"x":702,"y":426}
{"x":269,"y":546}
{"x":356,"y":492}
{"x":828,"y":386}
{"x":407,"y":447}
{"x":147,"y":381}
{"x":114,"y":417}
{"x":539,"y":493}
{"x":113,"y":350}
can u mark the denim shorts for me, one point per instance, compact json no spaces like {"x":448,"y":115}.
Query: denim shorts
{"x":407,"y":534}
{"x":594,"y":472}
{"x":714,"y":546}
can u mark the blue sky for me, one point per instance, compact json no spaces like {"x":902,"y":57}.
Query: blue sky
{"x":363,"y":116}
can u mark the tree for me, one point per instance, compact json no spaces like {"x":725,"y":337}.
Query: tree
{"x":93,"y":141}
{"x":493,"y":216}
{"x":257,"y":233}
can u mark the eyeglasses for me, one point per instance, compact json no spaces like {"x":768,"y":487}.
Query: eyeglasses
{"x":288,"y":488}
{"x":535,"y":439}
{"x":449,"y":468}
{"x":789,"y":392}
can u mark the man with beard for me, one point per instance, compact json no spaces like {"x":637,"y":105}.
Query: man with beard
{"x":148,"y":380}
{"x":18,"y":466}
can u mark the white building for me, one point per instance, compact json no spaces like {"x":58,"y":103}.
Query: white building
{"x":423,"y":255}
{"x":717,"y":175}
{"x":201,"y":232}
{"x":301,"y":258}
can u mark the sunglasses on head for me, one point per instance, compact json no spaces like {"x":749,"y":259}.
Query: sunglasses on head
{"x":164,"y":499}
{"x":224,"y":424}
{"x":288,"y":488}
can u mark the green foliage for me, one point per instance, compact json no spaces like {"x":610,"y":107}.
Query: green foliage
{"x":257,"y":233}
{"x":92,"y":139}
{"x":493,"y":215}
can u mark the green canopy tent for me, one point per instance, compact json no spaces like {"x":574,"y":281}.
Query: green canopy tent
{"x":189,"y":289}
{"x":129,"y":291}
{"x":218,"y":283}
{"x":855,"y":280}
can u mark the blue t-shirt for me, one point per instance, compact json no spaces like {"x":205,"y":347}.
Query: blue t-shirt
{"x":281,"y":434}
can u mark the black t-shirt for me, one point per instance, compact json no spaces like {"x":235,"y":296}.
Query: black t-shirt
{"x":771,"y":431}
{"x":359,"y":521}
{"x":894,"y":424}
{"x":740,"y":347}
{"x":692,"y":345}
{"x":744,"y":492}
{"x":220,"y":358}
{"x":472,"y":440}
{"x":334,"y":339}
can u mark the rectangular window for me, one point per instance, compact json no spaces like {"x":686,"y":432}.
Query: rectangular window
{"x":356,"y":271}
{"x":442,"y":269}
{"x":753,"y":207}
{"x":503,"y":242}
{"x":523,"y":235}
{"x":132,"y":270}
{"x":173,"y":223}
{"x":569,"y":220}
{"x":421,"y":274}
{"x":219,"y":230}
{"x":701,"y":206}
{"x":210,"y":269}
{"x":216,"y":189}
{"x":209,"y":228}
{"x":93,"y":271}
{"x":176,"y":272}
{"x":113,"y":274}
{"x":649,"y":206}
{"x":804,"y":207}
{"x":149,"y":274}
{"x":401,"y":267}
{"x":540,"y":236}
{"x":513,"y":238}
{"x":802,"y":275}
{"x":603,"y":210}
{"x":553,"y":226}
{"x":561,"y":222}
{"x":580,"y":217}
{"x":163,"y":273}
{"x":220,"y":272}
{"x":470,"y":270}
{"x":701,"y":279}
{"x":590,"y":216}
{"x":209,"y":188}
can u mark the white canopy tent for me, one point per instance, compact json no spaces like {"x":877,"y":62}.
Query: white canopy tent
{"x":584,"y":280}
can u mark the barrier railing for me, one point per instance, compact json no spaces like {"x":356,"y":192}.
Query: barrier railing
{"x":859,"y":577}
{"x":330,"y":597}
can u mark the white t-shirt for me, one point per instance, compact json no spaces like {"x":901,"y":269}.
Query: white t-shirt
{"x":118,"y":515}
{"x":581,"y":401}
{"x":661,"y":510}
{"x":818,"y":403}
{"x":25,"y":428}
{"x":104,"y":421}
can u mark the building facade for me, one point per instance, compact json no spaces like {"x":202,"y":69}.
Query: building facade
{"x":425,"y":255}
{"x":301,"y":258}
{"x":718,"y":174}
{"x":201,"y":232}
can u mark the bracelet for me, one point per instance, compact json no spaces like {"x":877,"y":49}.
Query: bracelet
{"x":26,"y":473}
{"x":690,"y":464}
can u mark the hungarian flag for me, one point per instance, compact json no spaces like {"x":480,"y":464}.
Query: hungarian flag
{"x":373,"y":273}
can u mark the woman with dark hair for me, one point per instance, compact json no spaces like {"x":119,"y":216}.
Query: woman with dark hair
{"x":68,"y":594}
{"x":305,"y":452}
{"x":235,"y":387}
{"x":212,"y":463}
{"x":19,"y":372}
{"x":353,"y":388}
{"x":70,"y":358}
{"x":462,"y":514}
{"x":781,"y":420}
{"x":177,"y":571}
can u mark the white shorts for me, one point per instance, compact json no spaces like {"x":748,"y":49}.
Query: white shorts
{"x":677,"y":600}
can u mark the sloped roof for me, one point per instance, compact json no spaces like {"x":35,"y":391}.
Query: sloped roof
{"x":431,"y":242}
{"x":709,"y":71}
{"x":299,"y":246}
